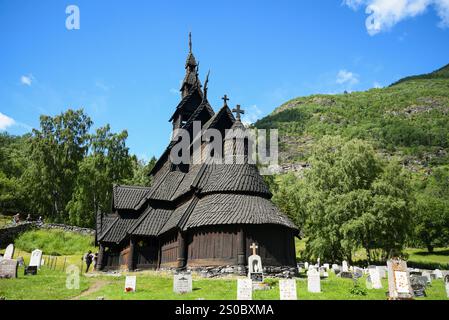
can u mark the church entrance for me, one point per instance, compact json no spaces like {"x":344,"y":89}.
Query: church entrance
{"x":147,"y":253}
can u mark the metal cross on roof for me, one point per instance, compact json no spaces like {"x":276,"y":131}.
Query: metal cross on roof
{"x":254,"y":247}
{"x":225,"y":99}
{"x":238,"y":112}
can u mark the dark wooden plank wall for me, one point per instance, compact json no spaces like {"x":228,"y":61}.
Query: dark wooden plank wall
{"x":169,"y":250}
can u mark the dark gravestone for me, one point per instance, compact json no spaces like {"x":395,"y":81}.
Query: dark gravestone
{"x":31,"y":270}
{"x":8,"y":268}
{"x":419,"y":284}
{"x":347,"y":275}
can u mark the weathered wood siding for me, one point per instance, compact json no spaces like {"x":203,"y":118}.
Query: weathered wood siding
{"x":169,"y":250}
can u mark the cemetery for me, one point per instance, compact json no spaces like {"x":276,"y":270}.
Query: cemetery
{"x":327,"y":281}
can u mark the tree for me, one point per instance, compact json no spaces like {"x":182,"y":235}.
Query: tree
{"x":107,"y":163}
{"x":56,"y":151}
{"x":432,"y":210}
{"x":141,"y":172}
{"x":349,"y":199}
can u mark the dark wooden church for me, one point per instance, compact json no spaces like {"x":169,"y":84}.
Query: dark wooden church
{"x":195,"y":215}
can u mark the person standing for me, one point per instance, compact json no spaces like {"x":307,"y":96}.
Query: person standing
{"x":88,"y":259}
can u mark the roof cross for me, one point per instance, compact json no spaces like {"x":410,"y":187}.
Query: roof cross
{"x":238,"y":112}
{"x":254,"y":247}
{"x":225,"y":99}
{"x":190,"y":42}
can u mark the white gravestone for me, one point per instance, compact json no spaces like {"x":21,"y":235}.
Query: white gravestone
{"x":326,"y":266}
{"x":375,"y":278}
{"x":255,"y":270}
{"x":306,"y":266}
{"x":244,"y":289}
{"x":182,"y":282}
{"x":9,"y":252}
{"x":130,"y":284}
{"x":399,"y":286}
{"x":287,"y":289}
{"x":36,"y":258}
{"x":382,"y":271}
{"x":369,"y":284}
{"x":313,"y":281}
{"x":438,"y":274}
{"x":345,"y":266}
{"x":427,"y":275}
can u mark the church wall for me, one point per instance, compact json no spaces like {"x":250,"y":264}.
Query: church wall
{"x":209,"y":246}
{"x":169,"y":250}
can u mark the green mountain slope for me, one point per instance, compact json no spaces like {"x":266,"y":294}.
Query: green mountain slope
{"x":409,"y":119}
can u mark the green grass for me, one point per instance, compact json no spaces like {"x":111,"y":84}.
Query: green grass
{"x":55,"y":242}
{"x":47,"y":285}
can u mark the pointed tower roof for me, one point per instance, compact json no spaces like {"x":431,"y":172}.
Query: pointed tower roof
{"x":191,"y":80}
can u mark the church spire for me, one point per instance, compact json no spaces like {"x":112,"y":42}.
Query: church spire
{"x":205,"y":86}
{"x":190,"y":79}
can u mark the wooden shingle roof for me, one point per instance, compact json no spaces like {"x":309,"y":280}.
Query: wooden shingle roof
{"x":127,"y":197}
{"x":117,"y":230}
{"x":221,"y":209}
{"x":150,"y":222}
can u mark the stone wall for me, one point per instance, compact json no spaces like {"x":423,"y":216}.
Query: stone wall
{"x":9,"y":233}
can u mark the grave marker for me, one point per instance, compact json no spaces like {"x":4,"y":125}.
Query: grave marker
{"x":244,"y":289}
{"x":255,"y":271}
{"x":36,"y":258}
{"x":375,"y":278}
{"x":287,"y":289}
{"x":130,"y":284}
{"x":399,"y":286}
{"x":345,"y":266}
{"x":8,"y":268}
{"x":9,"y":252}
{"x":313,"y":281}
{"x":182,"y":282}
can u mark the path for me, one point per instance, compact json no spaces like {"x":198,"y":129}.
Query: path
{"x":93,"y":288}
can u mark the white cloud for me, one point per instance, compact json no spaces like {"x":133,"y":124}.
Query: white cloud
{"x":27,"y":80}
{"x":347,"y":77}
{"x":5,"y":121}
{"x":384,"y":14}
{"x":252,"y":114}
{"x":174,"y":91}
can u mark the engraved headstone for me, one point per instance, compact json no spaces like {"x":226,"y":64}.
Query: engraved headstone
{"x":36,"y":258}
{"x":419,"y":284}
{"x":375,"y":278}
{"x":244,"y":289}
{"x":313,"y":281}
{"x":8,"y":268}
{"x":182,"y":282}
{"x":255,"y":271}
{"x":9,"y":252}
{"x":287,"y":289}
{"x":130,"y":284}
{"x":399,"y":286}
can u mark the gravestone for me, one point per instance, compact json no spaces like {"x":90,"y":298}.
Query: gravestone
{"x":326,"y":266}
{"x":244,"y":289}
{"x":9,"y":252}
{"x":438,"y":274}
{"x":255,"y":272}
{"x":419,"y":284}
{"x":36,"y":258}
{"x":369,"y":283}
{"x":358,"y":272}
{"x":306,"y":266}
{"x":300,"y":267}
{"x":182,"y":282}
{"x":426,"y":274}
{"x":313,"y":281}
{"x":130,"y":284}
{"x":20,"y":261}
{"x":345,"y":266}
{"x":287,"y":289}
{"x":336,"y":268}
{"x":446,"y":284}
{"x":382,"y":271}
{"x":375,"y":278}
{"x":347,"y":275}
{"x":8,"y":268}
{"x":399,"y":286}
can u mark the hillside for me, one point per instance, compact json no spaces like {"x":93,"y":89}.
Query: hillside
{"x":409,"y":119}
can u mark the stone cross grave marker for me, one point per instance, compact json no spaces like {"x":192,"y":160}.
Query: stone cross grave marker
{"x":375,"y":278}
{"x":8,"y":268}
{"x":36,"y":258}
{"x":399,"y":286}
{"x":182,"y":282}
{"x":287,"y":289}
{"x":130,"y":284}
{"x":9,"y":252}
{"x":313,"y":281}
{"x":244,"y":289}
{"x":255,"y":271}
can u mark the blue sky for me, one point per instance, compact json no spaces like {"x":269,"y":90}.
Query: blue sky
{"x":125,"y":63}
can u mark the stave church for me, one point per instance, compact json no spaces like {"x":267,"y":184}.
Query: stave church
{"x":196,"y":215}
